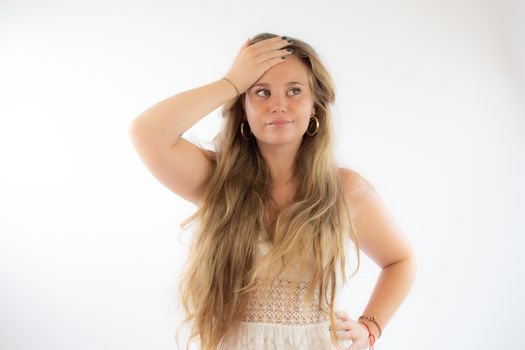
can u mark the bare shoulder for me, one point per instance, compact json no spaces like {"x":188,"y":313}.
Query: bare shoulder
{"x":355,"y":187}
{"x":352,"y":181}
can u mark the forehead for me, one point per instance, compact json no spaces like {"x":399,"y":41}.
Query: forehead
{"x":292,"y":69}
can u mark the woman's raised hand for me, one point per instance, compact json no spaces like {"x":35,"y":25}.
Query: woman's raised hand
{"x":255,"y":59}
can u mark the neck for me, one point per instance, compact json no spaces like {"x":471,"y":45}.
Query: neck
{"x":280,"y":160}
{"x":283,"y":184}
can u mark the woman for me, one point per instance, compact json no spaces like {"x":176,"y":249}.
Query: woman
{"x":274,"y":210}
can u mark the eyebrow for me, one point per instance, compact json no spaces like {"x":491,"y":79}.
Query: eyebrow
{"x":288,"y":83}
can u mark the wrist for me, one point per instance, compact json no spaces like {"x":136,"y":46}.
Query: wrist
{"x":372,"y":327}
{"x":373,"y":320}
{"x":234,"y":84}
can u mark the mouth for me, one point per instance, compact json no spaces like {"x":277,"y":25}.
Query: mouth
{"x":279,"y":122}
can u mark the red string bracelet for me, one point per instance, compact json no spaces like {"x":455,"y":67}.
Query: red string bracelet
{"x":371,"y":337}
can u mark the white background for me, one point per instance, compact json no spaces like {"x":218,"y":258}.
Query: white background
{"x":430,"y":108}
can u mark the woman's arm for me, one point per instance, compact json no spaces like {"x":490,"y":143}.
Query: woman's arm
{"x":383,"y":241}
{"x":165,"y":121}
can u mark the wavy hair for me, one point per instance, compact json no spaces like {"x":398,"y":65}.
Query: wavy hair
{"x":221,"y":269}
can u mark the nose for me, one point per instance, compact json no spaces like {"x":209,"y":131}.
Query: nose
{"x":279,"y":105}
{"x":279,"y":108}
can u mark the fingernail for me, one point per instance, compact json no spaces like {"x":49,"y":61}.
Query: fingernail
{"x":284,"y":37}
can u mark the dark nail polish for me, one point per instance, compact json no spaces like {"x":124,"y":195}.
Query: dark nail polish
{"x":284,"y":37}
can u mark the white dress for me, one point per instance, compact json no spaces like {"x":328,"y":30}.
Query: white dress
{"x":269,"y":323}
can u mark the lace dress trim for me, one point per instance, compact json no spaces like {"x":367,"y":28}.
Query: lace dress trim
{"x":273,"y":305}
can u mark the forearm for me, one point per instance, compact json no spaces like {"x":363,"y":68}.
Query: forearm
{"x":166,"y":120}
{"x":393,"y":284}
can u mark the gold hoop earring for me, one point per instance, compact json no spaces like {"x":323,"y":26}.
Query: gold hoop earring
{"x":242,"y":132}
{"x":316,"y":126}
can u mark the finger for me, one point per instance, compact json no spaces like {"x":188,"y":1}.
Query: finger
{"x":354,"y":346}
{"x":276,"y":55}
{"x":342,"y":315}
{"x":270,"y":50}
{"x":349,"y":335}
{"x":270,"y":43}
{"x":344,"y":325}
{"x":341,"y":325}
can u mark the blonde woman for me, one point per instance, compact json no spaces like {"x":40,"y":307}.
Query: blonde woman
{"x":274,"y":210}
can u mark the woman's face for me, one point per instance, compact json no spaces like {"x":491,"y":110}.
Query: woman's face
{"x":282,"y":92}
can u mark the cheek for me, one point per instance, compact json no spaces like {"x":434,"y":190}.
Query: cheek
{"x":302,"y":123}
{"x":251,"y":109}
{"x":307,"y":112}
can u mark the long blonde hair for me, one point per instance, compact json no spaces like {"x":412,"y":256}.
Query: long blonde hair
{"x":221,"y":268}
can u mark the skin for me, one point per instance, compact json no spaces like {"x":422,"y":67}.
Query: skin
{"x":279,"y":145}
{"x":381,"y":238}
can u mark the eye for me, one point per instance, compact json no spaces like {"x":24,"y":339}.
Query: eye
{"x":257,"y":92}
{"x":293,"y":89}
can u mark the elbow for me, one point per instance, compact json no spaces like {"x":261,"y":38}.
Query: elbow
{"x":136,"y":130}
{"x":133,"y":128}
{"x":411,"y":266}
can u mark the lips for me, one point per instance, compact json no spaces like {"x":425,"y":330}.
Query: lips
{"x":279,"y":121}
